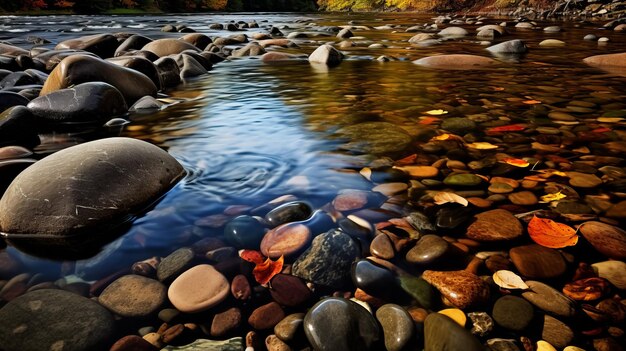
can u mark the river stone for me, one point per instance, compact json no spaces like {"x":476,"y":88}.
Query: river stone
{"x":461,"y":289}
{"x":340,"y":324}
{"x":495,"y":225}
{"x":266,"y":316}
{"x":549,"y":299}
{"x":557,"y":333}
{"x":198,"y":40}
{"x":454,"y":32}
{"x":441,"y":333}
{"x":328,"y":260}
{"x":613,"y":271}
{"x":381,"y":246}
{"x":168,"y":46}
{"x":244,"y":232}
{"x":174,"y":264}
{"x":233,"y":344}
{"x":462,"y":179}
{"x":515,"y":46}
{"x":537,"y":262}
{"x":608,"y":60}
{"x":607,"y":239}
{"x":17,"y":127}
{"x":523,"y":198}
{"x":198,"y":289}
{"x":583,"y":180}
{"x":83,"y":103}
{"x":9,"y":99}
{"x":498,"y":344}
{"x":286,"y":240}
{"x":133,"y":343}
{"x":617,"y":211}
{"x":225,"y":322}
{"x":375,"y":138}
{"x":428,"y":249}
{"x":139,"y":64}
{"x":78,"y":69}
{"x":133,"y":296}
{"x":290,"y":327}
{"x":102,"y":182}
{"x":456,"y":62}
{"x":103,"y":45}
{"x":513,"y":313}
{"x":375,"y":280}
{"x":397,"y":326}
{"x":134,"y":42}
{"x":55,"y":320}
{"x":289,"y":290}
{"x":326,"y":54}
{"x":250,"y":49}
{"x":289,"y":212}
{"x":551,"y":43}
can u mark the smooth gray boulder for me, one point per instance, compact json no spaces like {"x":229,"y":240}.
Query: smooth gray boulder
{"x":86,"y":190}
{"x":515,"y":46}
{"x":326,"y":54}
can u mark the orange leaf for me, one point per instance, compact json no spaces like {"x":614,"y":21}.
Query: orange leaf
{"x":252,"y":256}
{"x":428,"y":120}
{"x":409,"y":160}
{"x":264,"y":272}
{"x":549,"y":233}
{"x":517,"y":162}
{"x":509,"y":128}
{"x":531,"y":102}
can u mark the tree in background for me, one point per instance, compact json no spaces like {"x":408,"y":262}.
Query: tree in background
{"x":33,"y":5}
{"x":92,"y":6}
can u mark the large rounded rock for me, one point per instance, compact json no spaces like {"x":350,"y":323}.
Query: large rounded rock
{"x":55,"y":320}
{"x":495,"y":225}
{"x":328,"y":260}
{"x":134,"y":42}
{"x":198,"y":289}
{"x":326,"y":54}
{"x":456,"y":62}
{"x":94,"y":102}
{"x":133,"y":296}
{"x":17,"y":127}
{"x":441,"y":333}
{"x":549,"y":299}
{"x":166,"y":47}
{"x":607,"y":239}
{"x":103,"y":45}
{"x":513,"y":313}
{"x":608,"y":60}
{"x":398,"y":327}
{"x":78,"y":69}
{"x":139,"y":64}
{"x":340,"y":324}
{"x":9,"y":99}
{"x":509,"y":47}
{"x":96,"y":185}
{"x":537,"y":262}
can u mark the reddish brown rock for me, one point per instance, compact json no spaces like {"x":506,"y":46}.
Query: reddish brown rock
{"x":240,"y":287}
{"x":132,"y":343}
{"x":286,"y":240}
{"x":350,"y":200}
{"x":457,"y":61}
{"x":537,"y":262}
{"x":607,"y":239}
{"x":225,"y":322}
{"x":266,"y":316}
{"x":495,"y":225}
{"x":288,"y":290}
{"x":461,"y":289}
{"x":198,"y":289}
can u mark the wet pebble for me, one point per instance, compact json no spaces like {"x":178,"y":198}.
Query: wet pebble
{"x":513,"y":313}
{"x":198,"y":289}
{"x":147,"y":296}
{"x":397,"y":325}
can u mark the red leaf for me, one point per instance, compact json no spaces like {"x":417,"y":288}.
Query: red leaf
{"x":252,"y":256}
{"x":509,"y":128}
{"x":601,"y":130}
{"x":264,"y":272}
{"x":409,"y":160}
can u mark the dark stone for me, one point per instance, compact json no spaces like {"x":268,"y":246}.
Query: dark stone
{"x":169,"y":71}
{"x":375,"y":280}
{"x":94,"y":102}
{"x":515,"y":46}
{"x":419,"y":289}
{"x":327,"y":262}
{"x":133,"y":343}
{"x":174,"y":264}
{"x":17,"y":127}
{"x":139,"y":64}
{"x":55,"y":320}
{"x":289,"y":290}
{"x":452,"y":217}
{"x":134,"y":42}
{"x":428,"y":249}
{"x":17,"y":79}
{"x":9,"y":99}
{"x":513,"y":313}
{"x":244,"y":232}
{"x":398,"y":327}
{"x":290,"y":212}
{"x":441,"y":333}
{"x":458,"y":125}
{"x":103,"y":45}
{"x":340,"y":324}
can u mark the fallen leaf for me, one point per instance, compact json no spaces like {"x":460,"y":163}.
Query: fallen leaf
{"x":264,"y":272}
{"x":509,"y":128}
{"x":549,"y":233}
{"x":547,"y":173}
{"x":508,"y":280}
{"x":552,"y":197}
{"x":444,"y":197}
{"x":588,"y":289}
{"x":428,"y":120}
{"x":436,"y":112}
{"x":531,"y":102}
{"x":442,"y":137}
{"x":252,"y":256}
{"x":409,"y":160}
{"x":481,"y":145}
{"x":517,"y":162}
{"x":601,"y":130}
{"x":609,"y":119}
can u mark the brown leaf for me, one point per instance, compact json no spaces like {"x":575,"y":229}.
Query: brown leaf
{"x":549,"y":233}
{"x":588,"y":289}
{"x":264,"y":272}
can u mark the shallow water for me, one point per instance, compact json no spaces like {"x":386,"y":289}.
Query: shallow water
{"x":250,"y":132}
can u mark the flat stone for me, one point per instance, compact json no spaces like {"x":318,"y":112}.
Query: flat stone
{"x":513,"y":313}
{"x":350,"y":200}
{"x":54,"y":320}
{"x":225,"y":322}
{"x":462,"y":179}
{"x":456,"y":314}
{"x":375,"y":280}
{"x":328,"y":260}
{"x":456,"y":62}
{"x":168,"y":46}
{"x":523,"y":198}
{"x":198,"y":289}
{"x":290,"y":327}
{"x":453,"y":31}
{"x":289,"y":290}
{"x":608,"y":60}
{"x":398,"y":327}
{"x":286,"y":240}
{"x":557,"y":333}
{"x":428,"y":249}
{"x":132,"y":343}
{"x":266,"y":316}
{"x":458,"y":125}
{"x":419,"y":289}
{"x":174,"y":264}
{"x":515,"y":46}
{"x":583,"y":180}
{"x":421,"y":172}
{"x":133,"y":296}
{"x":340,"y":324}
{"x":617,"y":211}
{"x":375,"y":138}
{"x":382,"y":247}
{"x":461,"y":289}
{"x":234,"y":344}
{"x":613,"y":271}
{"x":441,"y":333}
{"x":549,"y":299}
{"x":103,"y":45}
{"x":605,"y":238}
{"x":551,"y":43}
{"x":537,"y":262}
{"x":495,"y":225}
{"x":109,"y":179}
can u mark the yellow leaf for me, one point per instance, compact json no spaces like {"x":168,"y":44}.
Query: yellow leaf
{"x":552,"y":197}
{"x":610,"y":119}
{"x":482,"y":146}
{"x":436,"y":112}
{"x":508,"y":280}
{"x":444,"y":197}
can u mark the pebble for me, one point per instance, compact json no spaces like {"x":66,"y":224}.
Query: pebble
{"x":340,"y":324}
{"x":244,"y":232}
{"x":132,"y":343}
{"x":613,"y":271}
{"x":549,"y":299}
{"x":290,"y":327}
{"x":147,"y":296}
{"x":555,"y":332}
{"x":462,"y":179}
{"x":428,"y":249}
{"x":513,"y":313}
{"x":537,"y":262}
{"x":240,"y":287}
{"x":494,"y":225}
{"x":266,"y":316}
{"x":288,"y":212}
{"x":198,"y":289}
{"x":286,"y":240}
{"x":397,"y":325}
{"x":606,"y":239}
{"x":225,"y":322}
{"x":372,"y":278}
{"x":456,"y":315}
{"x":523,"y":198}
{"x":461,"y":289}
{"x":174,"y":264}
{"x":421,"y":172}
{"x":233,"y":344}
{"x":381,"y":246}
{"x":482,"y":323}
{"x":273,"y":343}
{"x":441,"y":333}
{"x":289,"y":290}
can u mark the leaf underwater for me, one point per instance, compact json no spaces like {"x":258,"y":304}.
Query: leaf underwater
{"x":508,"y":280}
{"x":444,"y":197}
{"x":549,"y":233}
{"x":265,"y":269}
